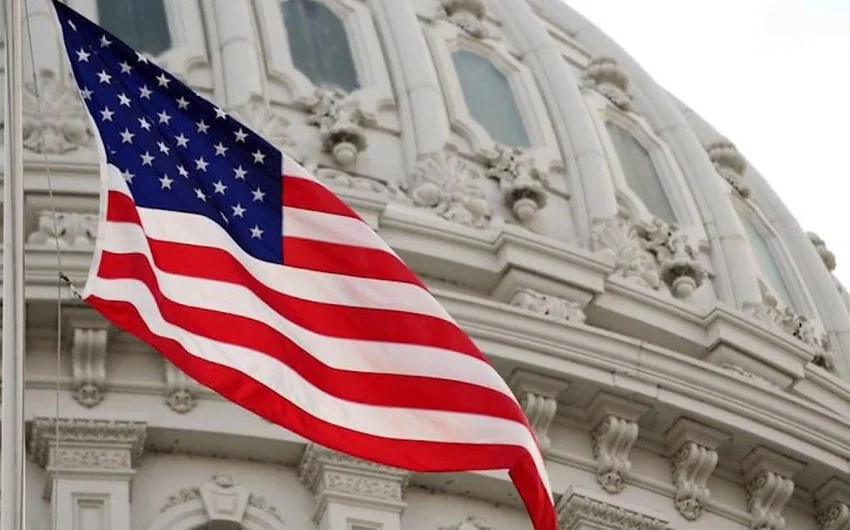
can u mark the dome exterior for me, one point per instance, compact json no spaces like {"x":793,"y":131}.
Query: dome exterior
{"x":676,"y":339}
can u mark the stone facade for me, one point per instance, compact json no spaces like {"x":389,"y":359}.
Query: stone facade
{"x":668,"y":382}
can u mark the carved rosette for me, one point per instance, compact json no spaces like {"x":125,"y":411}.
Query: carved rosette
{"x":340,"y":121}
{"x":606,"y":76}
{"x":180,"y":389}
{"x":835,"y":516}
{"x":521,"y":182}
{"x":768,"y":487}
{"x":266,"y":122}
{"x":730,"y":164}
{"x":54,"y":121}
{"x":87,"y":334}
{"x":825,"y":254}
{"x":537,"y":394}
{"x":547,"y":305}
{"x":70,"y":230}
{"x":577,"y":512}
{"x":468,"y":15}
{"x":446,"y":185}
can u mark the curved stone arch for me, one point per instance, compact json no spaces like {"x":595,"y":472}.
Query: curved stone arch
{"x":217,"y":501}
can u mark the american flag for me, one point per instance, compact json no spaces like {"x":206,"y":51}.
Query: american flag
{"x":251,"y":276}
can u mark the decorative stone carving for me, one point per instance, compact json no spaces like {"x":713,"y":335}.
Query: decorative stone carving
{"x":549,"y":306}
{"x":692,"y":451}
{"x":445,"y":184}
{"x":87,"y":333}
{"x":266,"y":122}
{"x":340,"y":121}
{"x":730,"y":164}
{"x":742,"y":372}
{"x":468,"y":15}
{"x":832,"y":505}
{"x":605,"y":75}
{"x":615,"y":430}
{"x":577,"y":511}
{"x":223,"y":500}
{"x":93,"y":445}
{"x":825,"y":254}
{"x":340,"y":180}
{"x":70,"y":230}
{"x":54,"y":121}
{"x":521,"y":182}
{"x":769,"y":486}
{"x":650,"y":254}
{"x":538,"y":393}
{"x":180,"y":389}
{"x":333,"y":475}
{"x":774,"y":315}
{"x":470,"y":523}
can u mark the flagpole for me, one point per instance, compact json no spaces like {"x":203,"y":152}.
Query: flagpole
{"x":12,"y":511}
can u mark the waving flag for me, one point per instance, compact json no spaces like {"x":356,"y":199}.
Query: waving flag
{"x":248,"y":274}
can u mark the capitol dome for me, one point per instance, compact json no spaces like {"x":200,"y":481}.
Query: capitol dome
{"x":676,"y":339}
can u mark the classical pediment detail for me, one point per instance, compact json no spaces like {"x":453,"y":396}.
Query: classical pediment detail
{"x":538,"y":393}
{"x":68,"y":230}
{"x":825,"y":254}
{"x":577,"y":511}
{"x":446,"y":185}
{"x":88,"y":336}
{"x":93,"y":445}
{"x":769,"y":485}
{"x":614,"y":432}
{"x":340,"y":120}
{"x":54,"y":121}
{"x":522,"y":183}
{"x":223,"y":500}
{"x":341,"y":181}
{"x":606,"y":76}
{"x":470,"y":523}
{"x":729,"y":164}
{"x":549,"y":306}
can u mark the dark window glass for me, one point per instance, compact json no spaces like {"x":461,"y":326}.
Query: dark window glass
{"x":142,"y":24}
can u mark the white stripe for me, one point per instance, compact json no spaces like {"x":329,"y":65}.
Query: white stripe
{"x":331,"y":228}
{"x":343,"y":354}
{"x":388,"y":422}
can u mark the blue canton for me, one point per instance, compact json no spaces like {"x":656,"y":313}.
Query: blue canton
{"x":175,"y":150}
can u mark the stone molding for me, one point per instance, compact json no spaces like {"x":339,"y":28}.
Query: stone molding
{"x":88,"y":335}
{"x":104,"y":445}
{"x":580,"y":511}
{"x":547,"y":305}
{"x":337,"y":477}
{"x":832,"y":505}
{"x":470,"y":523}
{"x":769,"y":485}
{"x":538,"y":393}
{"x":223,"y":500}
{"x":613,"y":421}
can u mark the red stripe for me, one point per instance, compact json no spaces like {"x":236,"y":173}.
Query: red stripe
{"x":388,"y":390}
{"x":347,"y":260}
{"x":331,"y":320}
{"x":310,"y":195}
{"x":407,"y":454}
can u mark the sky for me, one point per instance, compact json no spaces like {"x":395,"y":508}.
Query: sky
{"x":773,"y":76}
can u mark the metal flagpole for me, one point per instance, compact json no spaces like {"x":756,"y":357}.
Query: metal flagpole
{"x":12,"y":512}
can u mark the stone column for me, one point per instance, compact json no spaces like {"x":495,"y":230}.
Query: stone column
{"x":352,"y":493}
{"x":571,"y":118}
{"x":417,"y":88}
{"x":89,"y":470}
{"x":237,"y":50}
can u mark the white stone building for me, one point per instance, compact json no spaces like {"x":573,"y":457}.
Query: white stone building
{"x":675,"y":337}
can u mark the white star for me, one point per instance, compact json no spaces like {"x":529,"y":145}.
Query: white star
{"x":125,"y":67}
{"x":258,"y":194}
{"x":146,"y":92}
{"x":258,"y":157}
{"x":240,"y":173}
{"x":238,"y":210}
{"x":182,"y":171}
{"x":144,"y":124}
{"x":106,"y":114}
{"x":256,"y":232}
{"x":201,"y":164}
{"x":164,"y":117}
{"x":203,"y":127}
{"x":166,"y":182}
{"x":182,"y":141}
{"x":162,"y":147}
{"x":182,"y":103}
{"x":128,"y":177}
{"x":241,"y":135}
{"x":147,"y":159}
{"x":220,"y":149}
{"x":72,"y":25}
{"x":104,"y":77}
{"x":141,"y":57}
{"x":200,"y":194}
{"x":86,"y":93}
{"x":163,"y":80}
{"x":83,"y":56}
{"x":124,"y":100}
{"x":104,"y":42}
{"x":127,"y":137}
{"x":220,"y":113}
{"x":219,"y":187}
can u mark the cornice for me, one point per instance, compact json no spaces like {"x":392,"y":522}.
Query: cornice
{"x":102,"y":445}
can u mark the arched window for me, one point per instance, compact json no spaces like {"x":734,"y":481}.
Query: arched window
{"x":142,"y":24}
{"x":318,"y":44}
{"x":766,"y":262}
{"x":490,"y":99}
{"x":640,"y":172}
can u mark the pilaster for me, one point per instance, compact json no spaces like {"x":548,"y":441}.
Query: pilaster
{"x":352,"y":492}
{"x":238,"y":50}
{"x":614,"y":432}
{"x":769,"y":484}
{"x":89,"y":470}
